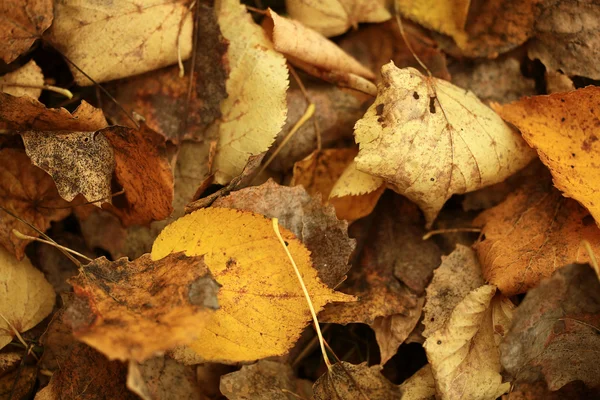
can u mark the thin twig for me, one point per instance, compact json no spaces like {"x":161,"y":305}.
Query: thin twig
{"x":305,"y":290}
{"x":401,"y":26}
{"x":308,"y":101}
{"x":449,"y":230}
{"x":593,"y":261}
{"x":22,"y":236}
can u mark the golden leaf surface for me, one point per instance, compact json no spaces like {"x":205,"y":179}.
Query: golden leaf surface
{"x":430,"y":139}
{"x":262,"y":309}
{"x":563,"y":128}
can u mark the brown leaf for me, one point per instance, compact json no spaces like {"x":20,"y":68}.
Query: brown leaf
{"x":87,"y":375}
{"x":120,"y":302}
{"x":458,"y":275}
{"x":29,"y":193}
{"x":265,"y":380}
{"x":531,"y":234}
{"x":28,"y":75}
{"x":347,"y":381}
{"x":495,"y":80}
{"x":315,"y":225}
{"x":22,"y":24}
{"x":16,"y":381}
{"x":375,"y":45}
{"x":161,"y":96}
{"x":163,"y":378}
{"x":143,"y":171}
{"x":136,"y":36}
{"x":554,"y":335}
{"x":566,"y":37}
{"x":79,"y":162}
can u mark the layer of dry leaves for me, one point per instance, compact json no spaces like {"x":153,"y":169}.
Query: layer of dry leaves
{"x":299,"y":199}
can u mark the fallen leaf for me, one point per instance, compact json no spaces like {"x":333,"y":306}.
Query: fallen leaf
{"x":322,"y":171}
{"x":539,"y":390}
{"x":336,"y":111}
{"x":531,"y":234}
{"x":420,"y":386}
{"x":29,"y":193}
{"x":121,"y":301}
{"x":334,"y":17}
{"x":87,"y":375}
{"x":495,"y":80}
{"x":447,"y":17}
{"x":458,"y":275}
{"x":315,"y":225}
{"x":354,"y":182}
{"x":161,"y":96}
{"x":27,"y":297}
{"x":162,"y":378}
{"x":79,"y":162}
{"x":24,"y":113}
{"x":554,"y":336}
{"x":562,"y":127}
{"x":28,"y":75}
{"x":567,"y":36}
{"x":429,"y":140}
{"x":262,"y":309}
{"x":16,"y":381}
{"x":156,"y":31}
{"x":258,"y":81}
{"x":143,"y":171}
{"x":22,"y":24}
{"x":464,"y":358}
{"x":557,"y":82}
{"x":58,"y":340}
{"x":315,"y":54}
{"x":265,"y":380}
{"x":377,"y":44}
{"x":345,"y":381}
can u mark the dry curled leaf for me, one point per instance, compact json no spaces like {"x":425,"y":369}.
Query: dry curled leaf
{"x":163,"y":378}
{"x":25,"y":113}
{"x":22,"y":24}
{"x":554,"y":336}
{"x":79,"y":162}
{"x":156,"y":31}
{"x":29,"y":193}
{"x":420,"y":386}
{"x":262,"y":308}
{"x":143,"y":171}
{"x":258,"y":81}
{"x":464,"y":357}
{"x":563,"y":128}
{"x":28,"y":75}
{"x":121,"y":302}
{"x":345,"y":381}
{"x":16,"y":380}
{"x":315,"y":225}
{"x":531,"y":234}
{"x":334,"y":17}
{"x":265,"y":380}
{"x":27,"y":297}
{"x":430,"y":139}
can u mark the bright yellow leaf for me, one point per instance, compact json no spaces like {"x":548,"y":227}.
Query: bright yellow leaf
{"x":262,"y":309}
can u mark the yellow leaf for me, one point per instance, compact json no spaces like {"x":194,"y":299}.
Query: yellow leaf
{"x":255,"y":108}
{"x":334,"y":17}
{"x":262,"y":309}
{"x":111,"y":40}
{"x":563,"y":128}
{"x":355,"y":183}
{"x":448,"y":17}
{"x":430,"y":139}
{"x":464,"y":357}
{"x":26,"y":296}
{"x":29,"y":74}
{"x":420,"y":386}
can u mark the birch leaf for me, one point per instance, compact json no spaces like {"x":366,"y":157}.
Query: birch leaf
{"x":430,"y":139}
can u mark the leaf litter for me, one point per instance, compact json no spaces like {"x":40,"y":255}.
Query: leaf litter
{"x":219,"y":224}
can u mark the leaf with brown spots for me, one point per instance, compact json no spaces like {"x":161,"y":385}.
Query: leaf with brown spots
{"x":29,"y":193}
{"x":531,"y":234}
{"x":430,"y":140}
{"x":554,"y":335}
{"x":119,"y":303}
{"x":315,"y":225}
{"x":143,"y":171}
{"x":137,"y":36}
{"x":163,"y":378}
{"x":22,"y":23}
{"x":563,"y":128}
